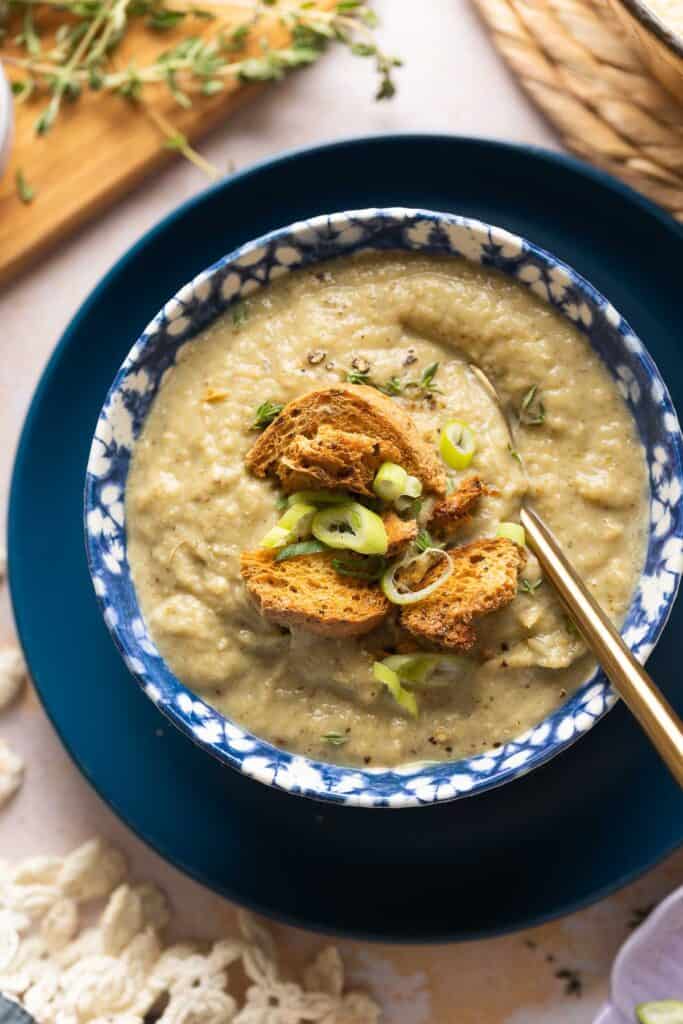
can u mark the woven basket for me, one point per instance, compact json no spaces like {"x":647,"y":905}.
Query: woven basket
{"x":590,"y":77}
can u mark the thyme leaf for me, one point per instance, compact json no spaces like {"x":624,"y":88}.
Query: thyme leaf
{"x":24,"y":190}
{"x":360,"y":377}
{"x":515,"y":454}
{"x":532,"y":409}
{"x":240,"y":314}
{"x":266,"y":413}
{"x":336,"y":739}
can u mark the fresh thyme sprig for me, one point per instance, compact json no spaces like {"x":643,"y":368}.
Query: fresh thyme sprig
{"x":79,"y":54}
{"x":424,"y":386}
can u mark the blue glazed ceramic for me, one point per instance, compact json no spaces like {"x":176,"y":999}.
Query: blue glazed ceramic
{"x":240,"y":274}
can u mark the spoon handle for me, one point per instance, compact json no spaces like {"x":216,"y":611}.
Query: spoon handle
{"x":629,"y":678}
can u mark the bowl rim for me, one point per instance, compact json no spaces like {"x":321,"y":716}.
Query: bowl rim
{"x":191,"y":711}
{"x":6,"y":119}
{"x":652,"y":22}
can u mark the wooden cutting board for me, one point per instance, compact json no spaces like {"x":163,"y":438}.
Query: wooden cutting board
{"x":101,"y":146}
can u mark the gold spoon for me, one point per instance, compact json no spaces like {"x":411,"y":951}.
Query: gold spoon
{"x":627,"y":675}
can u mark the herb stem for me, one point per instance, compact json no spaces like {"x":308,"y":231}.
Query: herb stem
{"x":176,"y":140}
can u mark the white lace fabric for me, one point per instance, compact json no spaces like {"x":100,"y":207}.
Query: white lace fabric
{"x":82,"y":944}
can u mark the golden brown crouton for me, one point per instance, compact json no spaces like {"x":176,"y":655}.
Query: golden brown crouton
{"x":306,"y":591}
{"x":484,"y":579}
{"x":334,"y":459}
{"x":356,"y":409}
{"x":449,"y":514}
{"x":400,"y":533}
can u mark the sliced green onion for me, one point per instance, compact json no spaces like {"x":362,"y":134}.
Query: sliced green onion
{"x":457,"y":444}
{"x":512,"y":531}
{"x":276,"y":538}
{"x":663,"y":1011}
{"x":390,"y":481}
{"x":321,"y":497}
{"x":421,"y":668}
{"x":302,"y":547}
{"x":351,"y":526}
{"x":389,"y":678}
{"x":396,"y":596}
{"x":298,"y":519}
{"x":294,"y":525}
{"x":413,"y":487}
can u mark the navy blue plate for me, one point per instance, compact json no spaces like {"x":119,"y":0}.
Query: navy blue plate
{"x":546,"y":844}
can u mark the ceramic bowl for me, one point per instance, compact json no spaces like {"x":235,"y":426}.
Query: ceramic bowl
{"x":245,"y":271}
{"x":6,"y":120}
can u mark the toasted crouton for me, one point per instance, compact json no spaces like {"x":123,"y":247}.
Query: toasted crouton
{"x":334,"y":459}
{"x":306,"y":591}
{"x":449,"y":514}
{"x":356,"y":409}
{"x":484,"y":579}
{"x":400,"y":533}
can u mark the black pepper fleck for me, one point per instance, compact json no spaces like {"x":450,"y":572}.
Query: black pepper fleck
{"x":573,"y":985}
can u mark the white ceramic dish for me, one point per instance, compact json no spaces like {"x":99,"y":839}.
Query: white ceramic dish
{"x":6,"y":121}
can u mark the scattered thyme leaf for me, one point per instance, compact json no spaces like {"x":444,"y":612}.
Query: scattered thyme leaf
{"x":336,"y":739}
{"x":532,"y":409}
{"x":529,"y":586}
{"x":240,"y":314}
{"x":266,"y":413}
{"x":515,"y":454}
{"x":393,"y":386}
{"x":359,"y":377}
{"x":24,"y":190}
{"x":428,"y":376}
{"x":425,"y":385}
{"x":303,"y":547}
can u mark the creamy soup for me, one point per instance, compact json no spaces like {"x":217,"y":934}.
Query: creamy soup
{"x":192,"y":507}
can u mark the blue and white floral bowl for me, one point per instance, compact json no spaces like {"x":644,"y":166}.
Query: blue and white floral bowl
{"x":245,"y":271}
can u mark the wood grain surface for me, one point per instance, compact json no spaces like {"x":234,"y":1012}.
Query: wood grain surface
{"x":101,"y":146}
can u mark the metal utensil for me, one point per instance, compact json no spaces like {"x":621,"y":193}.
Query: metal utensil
{"x":627,"y":675}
